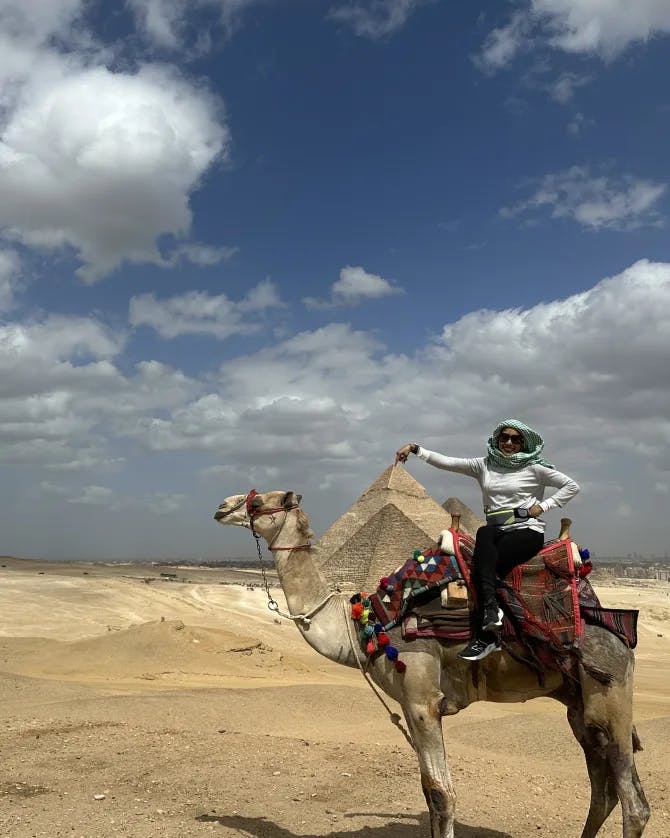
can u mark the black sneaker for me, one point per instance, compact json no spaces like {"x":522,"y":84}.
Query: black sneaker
{"x":478,"y":649}
{"x":493,"y":618}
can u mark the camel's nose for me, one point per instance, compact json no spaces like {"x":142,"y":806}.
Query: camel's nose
{"x":219,"y":514}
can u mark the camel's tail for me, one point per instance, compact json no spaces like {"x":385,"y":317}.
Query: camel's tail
{"x":637,"y":745}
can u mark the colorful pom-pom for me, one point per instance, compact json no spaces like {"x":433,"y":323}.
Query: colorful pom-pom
{"x":383,"y":639}
{"x":383,"y":582}
{"x":365,"y":602}
{"x":391,"y":653}
{"x":365,"y":616}
{"x":368,"y":631}
{"x":418,"y":555}
{"x":400,"y":666}
{"x":356,"y":610}
{"x":354,"y":599}
{"x":585,"y":568}
{"x":378,"y":627}
{"x":371,"y":648}
{"x":584,"y":553}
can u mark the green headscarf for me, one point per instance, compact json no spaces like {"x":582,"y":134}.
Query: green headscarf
{"x":533,"y":446}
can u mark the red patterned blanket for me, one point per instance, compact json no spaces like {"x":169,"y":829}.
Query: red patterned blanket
{"x":539,"y":598}
{"x":544,"y":600}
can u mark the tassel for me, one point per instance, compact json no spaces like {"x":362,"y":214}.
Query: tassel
{"x":391,"y":653}
{"x":356,"y":611}
{"x":383,"y":639}
{"x":371,"y":648}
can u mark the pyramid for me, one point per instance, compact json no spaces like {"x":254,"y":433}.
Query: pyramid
{"x":393,"y":517}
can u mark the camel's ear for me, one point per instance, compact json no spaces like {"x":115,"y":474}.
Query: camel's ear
{"x":291,"y":499}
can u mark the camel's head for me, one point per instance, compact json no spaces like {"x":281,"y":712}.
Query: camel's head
{"x":261,"y":508}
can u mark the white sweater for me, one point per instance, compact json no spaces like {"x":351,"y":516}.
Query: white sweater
{"x":505,"y":488}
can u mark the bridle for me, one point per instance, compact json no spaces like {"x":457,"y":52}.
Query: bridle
{"x":257,"y":512}
{"x":254,"y":512}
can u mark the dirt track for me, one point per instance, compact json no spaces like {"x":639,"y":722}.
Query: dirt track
{"x":218,"y":719}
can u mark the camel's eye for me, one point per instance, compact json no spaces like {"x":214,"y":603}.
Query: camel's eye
{"x":256,"y":502}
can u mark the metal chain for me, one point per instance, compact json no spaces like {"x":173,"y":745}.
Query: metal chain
{"x":272,"y":604}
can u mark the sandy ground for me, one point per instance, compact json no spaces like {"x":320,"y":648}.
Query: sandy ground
{"x":136,"y":706}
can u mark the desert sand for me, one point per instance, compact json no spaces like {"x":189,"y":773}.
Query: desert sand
{"x":137,"y":706}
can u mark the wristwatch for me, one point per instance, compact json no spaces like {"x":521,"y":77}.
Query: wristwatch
{"x":414,"y":448}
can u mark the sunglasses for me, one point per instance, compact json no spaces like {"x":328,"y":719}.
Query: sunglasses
{"x":515,"y":438}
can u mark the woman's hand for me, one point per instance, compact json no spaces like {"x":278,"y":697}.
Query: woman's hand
{"x":403,"y":453}
{"x":536,"y":510}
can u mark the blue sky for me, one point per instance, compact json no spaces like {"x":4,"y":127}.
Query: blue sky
{"x":263,"y":243}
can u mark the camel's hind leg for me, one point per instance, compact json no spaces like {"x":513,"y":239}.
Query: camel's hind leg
{"x":425,"y":725}
{"x":603,"y":792}
{"x":608,"y":737}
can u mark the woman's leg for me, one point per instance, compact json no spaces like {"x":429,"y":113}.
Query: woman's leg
{"x":516,"y":547}
{"x":485,"y":563}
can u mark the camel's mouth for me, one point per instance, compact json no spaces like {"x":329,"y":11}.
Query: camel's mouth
{"x":233,"y":511}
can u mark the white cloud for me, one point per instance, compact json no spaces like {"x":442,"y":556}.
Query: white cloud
{"x":197,"y":312}
{"x":10,"y":267}
{"x":578,"y":123}
{"x":503,"y":43}
{"x":200,"y":254}
{"x":604,"y":28}
{"x":563,"y":88}
{"x":354,"y":286}
{"x":106,"y":186}
{"x":110,"y":184}
{"x":62,"y":399}
{"x":94,"y":496}
{"x":36,"y":21}
{"x":375,"y":19}
{"x":168,"y":23}
{"x":593,"y":201}
{"x":322,"y":408}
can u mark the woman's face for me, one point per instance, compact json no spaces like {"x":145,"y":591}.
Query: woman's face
{"x":510,"y":441}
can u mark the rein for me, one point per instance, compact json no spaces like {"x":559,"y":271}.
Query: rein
{"x":253,"y":513}
{"x":306,"y":619}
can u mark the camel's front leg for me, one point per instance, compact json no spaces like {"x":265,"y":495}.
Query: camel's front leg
{"x":425,"y":725}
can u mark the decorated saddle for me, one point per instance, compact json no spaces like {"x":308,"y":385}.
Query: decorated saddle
{"x":546,"y":602}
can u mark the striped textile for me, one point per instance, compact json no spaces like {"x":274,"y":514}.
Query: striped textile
{"x":620,"y":621}
{"x":540,"y":596}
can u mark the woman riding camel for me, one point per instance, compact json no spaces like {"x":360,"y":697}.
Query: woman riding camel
{"x":512,"y":477}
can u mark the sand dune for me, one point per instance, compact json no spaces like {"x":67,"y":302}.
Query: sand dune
{"x":188,"y":708}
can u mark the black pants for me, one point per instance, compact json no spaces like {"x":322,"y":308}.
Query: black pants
{"x":497,"y":552}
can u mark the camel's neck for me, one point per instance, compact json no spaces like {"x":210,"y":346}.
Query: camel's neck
{"x":305,"y":588}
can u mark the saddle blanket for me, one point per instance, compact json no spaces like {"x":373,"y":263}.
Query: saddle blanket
{"x":539,"y":598}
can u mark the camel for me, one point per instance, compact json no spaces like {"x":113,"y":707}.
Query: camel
{"x":436,"y":682}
